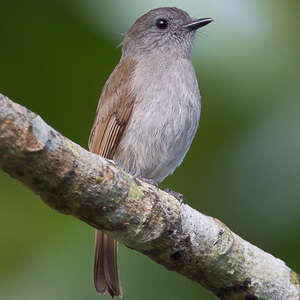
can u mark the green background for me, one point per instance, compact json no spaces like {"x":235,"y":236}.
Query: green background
{"x":242,"y":167}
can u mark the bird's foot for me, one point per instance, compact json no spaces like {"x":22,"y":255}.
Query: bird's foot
{"x":177,"y":195}
{"x":147,"y":180}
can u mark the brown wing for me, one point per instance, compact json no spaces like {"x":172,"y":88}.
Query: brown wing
{"x":112,"y":118}
{"x":114,"y":111}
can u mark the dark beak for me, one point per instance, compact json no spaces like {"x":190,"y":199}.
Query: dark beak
{"x":196,"y":24}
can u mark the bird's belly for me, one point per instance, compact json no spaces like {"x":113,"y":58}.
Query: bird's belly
{"x":157,"y":139}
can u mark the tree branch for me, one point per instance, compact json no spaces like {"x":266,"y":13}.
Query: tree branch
{"x":143,"y":217}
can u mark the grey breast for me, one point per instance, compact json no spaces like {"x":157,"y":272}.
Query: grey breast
{"x":165,"y":118}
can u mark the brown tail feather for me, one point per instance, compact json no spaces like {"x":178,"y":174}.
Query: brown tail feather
{"x":106,"y":275}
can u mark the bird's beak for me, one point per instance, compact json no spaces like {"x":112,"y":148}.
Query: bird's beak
{"x":196,"y":24}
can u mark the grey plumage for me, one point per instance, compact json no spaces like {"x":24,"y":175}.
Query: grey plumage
{"x":164,"y":119}
{"x":148,"y":112}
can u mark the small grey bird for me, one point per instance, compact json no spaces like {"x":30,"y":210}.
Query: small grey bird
{"x":148,"y":112}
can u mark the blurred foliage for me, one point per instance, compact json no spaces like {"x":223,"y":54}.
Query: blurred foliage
{"x":242,"y":168}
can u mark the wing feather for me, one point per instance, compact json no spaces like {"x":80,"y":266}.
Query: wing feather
{"x":114,"y":111}
{"x":112,"y":118}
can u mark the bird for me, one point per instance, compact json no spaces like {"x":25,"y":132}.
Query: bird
{"x":148,"y":113}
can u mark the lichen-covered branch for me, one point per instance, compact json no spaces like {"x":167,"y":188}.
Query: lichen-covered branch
{"x":143,"y":217}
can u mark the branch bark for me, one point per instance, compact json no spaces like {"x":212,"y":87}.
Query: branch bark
{"x":143,"y":217}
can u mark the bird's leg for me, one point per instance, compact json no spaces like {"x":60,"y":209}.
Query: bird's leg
{"x":177,"y":195}
{"x":147,"y":180}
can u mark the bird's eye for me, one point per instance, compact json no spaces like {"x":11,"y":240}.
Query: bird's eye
{"x":162,"y":23}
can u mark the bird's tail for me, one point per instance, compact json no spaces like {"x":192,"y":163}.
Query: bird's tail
{"x":106,"y":275}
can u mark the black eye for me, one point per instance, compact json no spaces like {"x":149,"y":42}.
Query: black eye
{"x":162,"y":23}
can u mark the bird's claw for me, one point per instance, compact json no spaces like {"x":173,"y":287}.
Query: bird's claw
{"x":177,"y":195}
{"x":147,"y":180}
